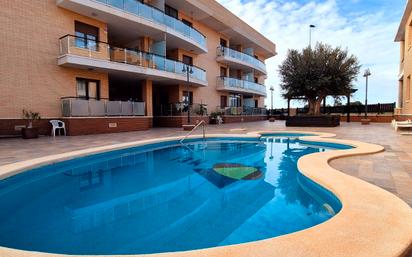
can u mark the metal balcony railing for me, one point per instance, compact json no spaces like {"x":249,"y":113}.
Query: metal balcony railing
{"x":180,"y":109}
{"x":245,"y":110}
{"x":228,"y":52}
{"x":227,"y":83}
{"x":155,"y":15}
{"x":80,"y":46}
{"x":78,"y":107}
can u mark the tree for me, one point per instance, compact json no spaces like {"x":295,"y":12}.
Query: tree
{"x":317,"y":73}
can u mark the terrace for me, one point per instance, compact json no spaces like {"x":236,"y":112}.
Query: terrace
{"x":390,"y":170}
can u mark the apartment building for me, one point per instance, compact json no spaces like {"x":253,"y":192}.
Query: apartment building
{"x":404,"y":37}
{"x":123,"y":65}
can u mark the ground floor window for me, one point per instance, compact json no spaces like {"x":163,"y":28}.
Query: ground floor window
{"x":235,"y":100}
{"x":88,"y":88}
{"x":186,"y":95}
{"x":223,"y":101}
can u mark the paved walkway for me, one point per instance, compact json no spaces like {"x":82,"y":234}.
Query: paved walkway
{"x":391,"y":170}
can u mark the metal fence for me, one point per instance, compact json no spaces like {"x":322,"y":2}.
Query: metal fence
{"x":245,"y":110}
{"x":355,"y":109}
{"x":372,"y":108}
{"x":78,"y":107}
{"x":180,"y":108}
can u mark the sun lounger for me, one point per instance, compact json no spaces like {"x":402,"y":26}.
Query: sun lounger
{"x":401,"y":124}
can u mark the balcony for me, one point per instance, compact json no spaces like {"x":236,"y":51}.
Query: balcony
{"x":78,"y":107}
{"x":240,"y":86}
{"x":86,"y":54}
{"x":239,"y":60}
{"x":130,"y":18}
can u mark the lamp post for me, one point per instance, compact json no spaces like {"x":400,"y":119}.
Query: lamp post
{"x":366,"y":74}
{"x":271,"y":96}
{"x":311,"y":26}
{"x":271,"y":117}
{"x":188,"y":69}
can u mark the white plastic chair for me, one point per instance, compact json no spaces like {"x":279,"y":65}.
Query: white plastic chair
{"x":57,"y":124}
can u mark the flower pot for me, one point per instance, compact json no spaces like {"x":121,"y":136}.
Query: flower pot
{"x":212,"y":121}
{"x":365,"y":121}
{"x":28,"y":133}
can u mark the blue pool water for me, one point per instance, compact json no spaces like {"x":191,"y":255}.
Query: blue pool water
{"x":164,"y":197}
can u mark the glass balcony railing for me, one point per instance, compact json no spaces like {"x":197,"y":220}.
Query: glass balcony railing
{"x":79,"y":107}
{"x":227,"y":83}
{"x":99,"y":50}
{"x":152,"y":14}
{"x":228,"y":52}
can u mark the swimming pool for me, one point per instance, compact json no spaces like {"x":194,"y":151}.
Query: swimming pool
{"x":165,"y":197}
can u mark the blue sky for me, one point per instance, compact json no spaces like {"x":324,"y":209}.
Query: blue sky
{"x":366,"y":27}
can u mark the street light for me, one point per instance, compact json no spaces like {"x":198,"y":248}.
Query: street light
{"x":311,"y":26}
{"x":271,"y":94}
{"x":366,"y":74}
{"x":188,"y":69}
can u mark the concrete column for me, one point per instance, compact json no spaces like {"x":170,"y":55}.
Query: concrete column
{"x":145,"y":44}
{"x":400,"y":94}
{"x":147,"y":88}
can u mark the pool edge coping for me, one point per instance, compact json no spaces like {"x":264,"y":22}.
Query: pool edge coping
{"x":362,"y":228}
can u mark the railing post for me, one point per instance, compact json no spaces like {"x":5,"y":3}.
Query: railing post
{"x":105,"y":107}
{"x":88,"y":107}
{"x":68,"y":44}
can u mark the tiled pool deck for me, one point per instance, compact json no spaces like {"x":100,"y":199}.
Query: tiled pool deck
{"x":391,"y":169}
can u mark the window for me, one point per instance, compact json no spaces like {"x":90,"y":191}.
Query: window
{"x":190,"y":97}
{"x":171,"y":11}
{"x":188,"y":23}
{"x":187,"y":60}
{"x":239,"y":74}
{"x":235,"y":101}
{"x":256,"y":104}
{"x":223,"y":72}
{"x":409,"y":35}
{"x":223,"y":42}
{"x":87,"y":88}
{"x":223,"y":101}
{"x":87,"y":36}
{"x":408,"y":88}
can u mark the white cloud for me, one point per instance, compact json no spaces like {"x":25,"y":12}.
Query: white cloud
{"x":369,"y":36}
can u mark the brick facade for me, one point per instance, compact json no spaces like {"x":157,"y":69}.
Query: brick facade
{"x":373,"y":118}
{"x":177,"y":121}
{"x":233,"y":119}
{"x":84,"y":126}
{"x":80,"y":126}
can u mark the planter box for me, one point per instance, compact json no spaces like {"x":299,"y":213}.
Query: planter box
{"x":188,"y":127}
{"x":28,"y":133}
{"x":212,"y":121}
{"x":365,"y":121}
{"x":313,"y":121}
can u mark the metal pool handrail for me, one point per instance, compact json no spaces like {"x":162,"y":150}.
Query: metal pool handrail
{"x":203,"y":123}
